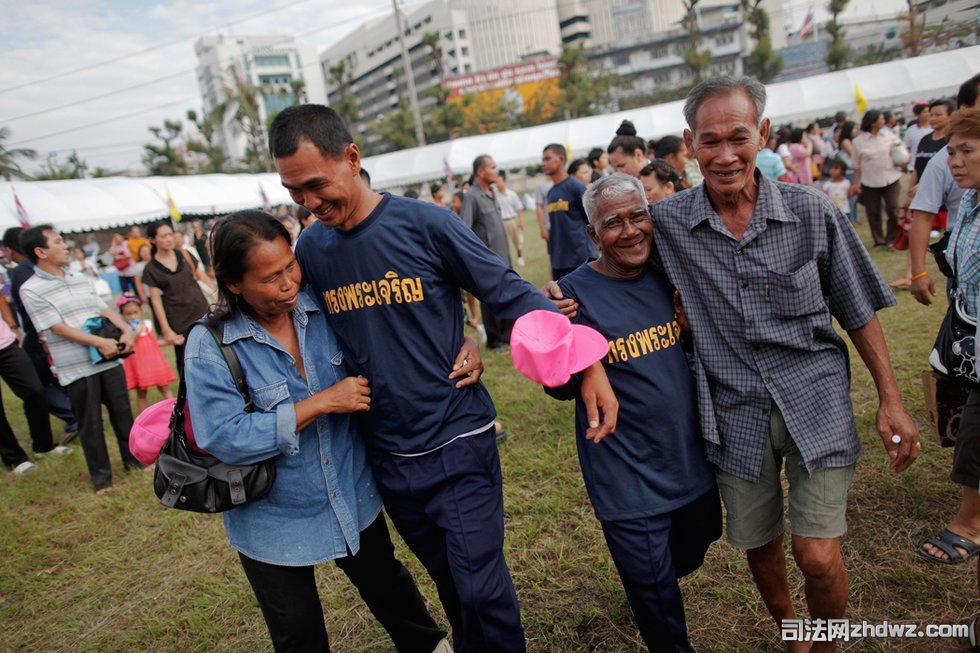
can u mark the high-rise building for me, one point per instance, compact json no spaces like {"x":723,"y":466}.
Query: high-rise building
{"x":282,"y":71}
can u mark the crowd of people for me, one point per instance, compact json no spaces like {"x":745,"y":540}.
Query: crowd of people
{"x":713,"y":263}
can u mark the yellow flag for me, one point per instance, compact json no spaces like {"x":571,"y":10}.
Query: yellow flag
{"x":862,"y":104}
{"x":174,"y":213}
{"x":568,"y":146}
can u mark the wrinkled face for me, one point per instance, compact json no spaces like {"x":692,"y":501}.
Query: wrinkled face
{"x":55,"y":250}
{"x":488,"y":173}
{"x":330,"y":188}
{"x":964,"y":160}
{"x":725,"y":141}
{"x":271,"y":281}
{"x":631,"y":163}
{"x":939,"y":118}
{"x":584,"y":174}
{"x":623,"y":233}
{"x":551,"y":162}
{"x":654,"y":190}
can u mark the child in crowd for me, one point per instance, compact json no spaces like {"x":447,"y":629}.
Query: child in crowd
{"x":146,"y":368}
{"x":837,"y":186}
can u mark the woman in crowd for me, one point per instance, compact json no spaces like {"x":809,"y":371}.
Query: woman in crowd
{"x":580,"y":169}
{"x":123,"y":261}
{"x":800,"y":151}
{"x":659,"y":180}
{"x":672,"y":150}
{"x":324,"y":504}
{"x":176,"y":298}
{"x":960,"y":541}
{"x":876,"y":177}
{"x":627,"y":151}
{"x":845,"y":150}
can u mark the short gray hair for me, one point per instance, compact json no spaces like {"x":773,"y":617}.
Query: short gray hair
{"x":724,"y":86}
{"x":616,"y":184}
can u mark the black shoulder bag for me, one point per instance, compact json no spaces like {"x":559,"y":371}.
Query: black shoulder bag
{"x":186,"y":479}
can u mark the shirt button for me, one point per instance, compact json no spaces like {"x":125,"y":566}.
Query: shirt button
{"x":333,"y":496}
{"x":326,"y":462}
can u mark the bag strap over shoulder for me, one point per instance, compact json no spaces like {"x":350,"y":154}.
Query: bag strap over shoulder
{"x":231,"y":359}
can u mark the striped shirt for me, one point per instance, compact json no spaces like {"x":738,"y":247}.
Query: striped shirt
{"x":761,"y":310}
{"x":71,"y":300}
{"x":963,"y":252}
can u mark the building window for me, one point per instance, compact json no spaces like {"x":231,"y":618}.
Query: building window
{"x":621,"y":59}
{"x":464,"y":51}
{"x":272,"y":60}
{"x":462,"y":33}
{"x":658,"y":52}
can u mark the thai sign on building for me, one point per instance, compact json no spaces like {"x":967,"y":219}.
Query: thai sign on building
{"x":518,"y":74}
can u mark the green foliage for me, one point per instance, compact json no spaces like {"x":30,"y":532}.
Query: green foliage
{"x":72,"y":168}
{"x":346,"y":107}
{"x":163,"y":159}
{"x":698,"y":60}
{"x":586,"y":90}
{"x":396,"y":131}
{"x":9,"y":167}
{"x":838,"y":52}
{"x":242,"y":104}
{"x":875,"y":54}
{"x":216,"y":159}
{"x":764,"y":61}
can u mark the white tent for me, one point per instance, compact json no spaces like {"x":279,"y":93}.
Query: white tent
{"x":108,"y":202}
{"x":892,"y":84}
{"x":92,"y":204}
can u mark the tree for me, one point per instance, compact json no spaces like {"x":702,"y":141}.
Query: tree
{"x":9,"y":167}
{"x":72,"y":168}
{"x":875,"y":54}
{"x":838,"y":52}
{"x":699,"y":61}
{"x":911,"y":34}
{"x":585,"y":90}
{"x":488,"y":112}
{"x":215,"y":157}
{"x":242,"y":102}
{"x":396,"y":131}
{"x":765,"y":63}
{"x":165,"y":159}
{"x":346,"y":106}
{"x":447,"y":117}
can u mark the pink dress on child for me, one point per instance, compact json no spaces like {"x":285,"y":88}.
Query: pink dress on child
{"x":146,"y":368}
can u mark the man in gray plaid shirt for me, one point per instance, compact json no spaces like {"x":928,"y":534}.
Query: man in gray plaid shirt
{"x":762,"y":269}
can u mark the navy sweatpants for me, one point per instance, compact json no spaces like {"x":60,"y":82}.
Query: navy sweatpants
{"x":448,"y":506}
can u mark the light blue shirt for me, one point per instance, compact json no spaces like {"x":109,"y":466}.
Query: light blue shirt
{"x":770,"y":164}
{"x":964,"y":245}
{"x":324,"y":494}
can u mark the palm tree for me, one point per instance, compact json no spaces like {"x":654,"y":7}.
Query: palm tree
{"x":8,"y":166}
{"x":242,"y":102}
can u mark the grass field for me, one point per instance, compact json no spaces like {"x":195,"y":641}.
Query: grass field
{"x":120,"y":573}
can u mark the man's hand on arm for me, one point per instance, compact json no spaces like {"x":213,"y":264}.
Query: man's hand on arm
{"x":128,"y":338}
{"x":892,"y":420}
{"x":569,"y":307}
{"x":597,"y":394}
{"x":468,"y":366}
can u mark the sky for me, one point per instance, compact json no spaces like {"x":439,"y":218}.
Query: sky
{"x":91,"y":76}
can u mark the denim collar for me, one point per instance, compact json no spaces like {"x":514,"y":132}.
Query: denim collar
{"x":241,"y":325}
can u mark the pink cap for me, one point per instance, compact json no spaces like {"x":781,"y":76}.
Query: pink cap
{"x":547,"y":348}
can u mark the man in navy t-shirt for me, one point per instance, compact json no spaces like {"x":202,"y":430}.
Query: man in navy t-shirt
{"x":568,"y":237}
{"x":389,"y":272}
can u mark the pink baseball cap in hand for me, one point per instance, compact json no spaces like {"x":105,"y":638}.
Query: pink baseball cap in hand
{"x":547,"y":348}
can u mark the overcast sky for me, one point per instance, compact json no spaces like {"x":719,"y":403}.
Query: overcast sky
{"x":92,"y":75}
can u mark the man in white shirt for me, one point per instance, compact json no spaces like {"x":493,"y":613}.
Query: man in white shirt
{"x":510,"y":211}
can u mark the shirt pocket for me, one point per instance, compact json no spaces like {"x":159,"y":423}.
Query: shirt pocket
{"x":268,"y":397}
{"x":798,"y":293}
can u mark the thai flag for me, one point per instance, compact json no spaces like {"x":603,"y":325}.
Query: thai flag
{"x":447,"y":169}
{"x":265,"y":200}
{"x":808,"y":23}
{"x":25,"y":221}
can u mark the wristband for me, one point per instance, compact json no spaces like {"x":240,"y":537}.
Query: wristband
{"x":919,"y":276}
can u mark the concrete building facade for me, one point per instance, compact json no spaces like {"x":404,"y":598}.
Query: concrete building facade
{"x":270,"y":64}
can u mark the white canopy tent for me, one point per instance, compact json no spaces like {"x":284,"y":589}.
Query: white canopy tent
{"x":104,"y":203}
{"x":893,"y":84}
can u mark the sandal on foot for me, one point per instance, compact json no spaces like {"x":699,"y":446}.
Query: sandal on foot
{"x":950,"y":543}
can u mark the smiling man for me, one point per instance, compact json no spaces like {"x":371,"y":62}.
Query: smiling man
{"x":389,"y":270}
{"x":763,"y":268}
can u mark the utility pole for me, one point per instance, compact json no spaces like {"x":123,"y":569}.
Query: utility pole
{"x":413,"y":98}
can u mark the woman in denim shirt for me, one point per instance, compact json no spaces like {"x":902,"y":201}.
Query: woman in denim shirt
{"x":324,"y":504}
